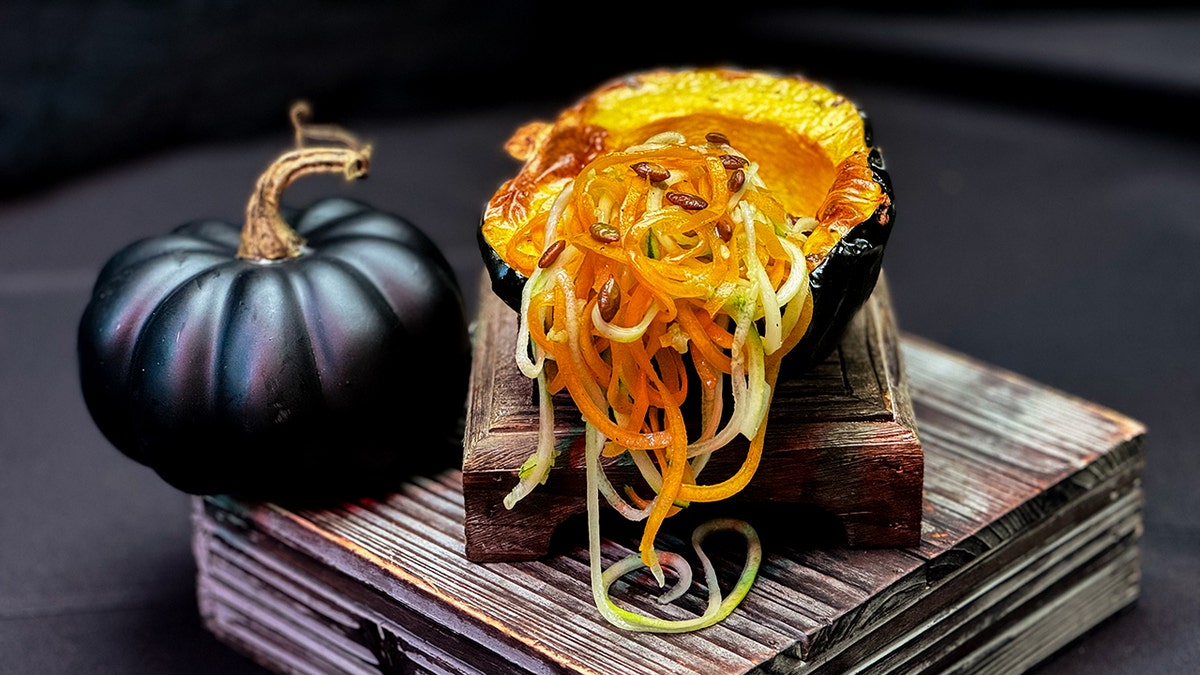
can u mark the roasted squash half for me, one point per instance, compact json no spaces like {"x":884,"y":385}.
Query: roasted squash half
{"x":671,"y":232}
{"x":813,"y":147}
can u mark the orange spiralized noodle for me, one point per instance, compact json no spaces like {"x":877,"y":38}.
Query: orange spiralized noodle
{"x":658,"y":260}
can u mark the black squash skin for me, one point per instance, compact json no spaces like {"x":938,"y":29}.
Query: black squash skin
{"x":844,"y":280}
{"x":507,"y":283}
{"x":840,"y":284}
{"x":334,"y":374}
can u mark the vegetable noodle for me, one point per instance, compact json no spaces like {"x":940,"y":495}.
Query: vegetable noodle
{"x":666,"y":259}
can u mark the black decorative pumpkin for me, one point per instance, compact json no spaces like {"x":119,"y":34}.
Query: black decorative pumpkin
{"x":322,"y":352}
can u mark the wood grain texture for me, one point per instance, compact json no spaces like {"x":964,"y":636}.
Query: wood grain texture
{"x":841,"y":438}
{"x":1032,"y":518}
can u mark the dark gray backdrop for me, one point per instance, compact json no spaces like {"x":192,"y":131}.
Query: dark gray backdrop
{"x":1047,"y":187}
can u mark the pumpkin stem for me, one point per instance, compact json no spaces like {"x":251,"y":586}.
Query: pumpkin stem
{"x":265,"y":235}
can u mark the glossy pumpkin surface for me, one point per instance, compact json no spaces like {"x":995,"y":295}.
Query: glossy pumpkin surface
{"x":340,"y":369}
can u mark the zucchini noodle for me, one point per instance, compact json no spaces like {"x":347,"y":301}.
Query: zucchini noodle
{"x":664,"y":260}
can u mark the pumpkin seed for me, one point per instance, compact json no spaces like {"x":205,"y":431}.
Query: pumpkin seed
{"x":736,"y":180}
{"x":655,"y":173}
{"x":733,"y":161}
{"x":687,"y":201}
{"x":604,"y":232}
{"x":609,"y":300}
{"x":551,"y":253}
{"x":724,"y":229}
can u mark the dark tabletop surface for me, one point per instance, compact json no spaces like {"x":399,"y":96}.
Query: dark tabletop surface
{"x":1055,"y":233}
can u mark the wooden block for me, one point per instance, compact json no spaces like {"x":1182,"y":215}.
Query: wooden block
{"x":840,"y":438}
{"x":1032,"y":522}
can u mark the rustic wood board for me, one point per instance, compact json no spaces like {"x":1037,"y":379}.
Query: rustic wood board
{"x":1032,"y":519}
{"x":841,"y":438}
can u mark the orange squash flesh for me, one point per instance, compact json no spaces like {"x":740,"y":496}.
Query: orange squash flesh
{"x":809,"y":143}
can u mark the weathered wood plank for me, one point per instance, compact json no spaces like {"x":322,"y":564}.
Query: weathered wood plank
{"x":1023,"y":525}
{"x":991,"y":601}
{"x":983,"y":589}
{"x":840,"y":437}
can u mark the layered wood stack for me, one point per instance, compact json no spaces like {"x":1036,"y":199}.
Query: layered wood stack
{"x":1031,"y":505}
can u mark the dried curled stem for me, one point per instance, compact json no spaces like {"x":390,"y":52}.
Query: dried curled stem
{"x":265,"y":235}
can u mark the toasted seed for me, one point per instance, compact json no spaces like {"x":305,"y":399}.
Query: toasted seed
{"x":733,"y":161}
{"x":604,"y":232}
{"x":551,"y":253}
{"x":687,"y":201}
{"x":736,"y":180}
{"x":716,"y":138}
{"x":724,"y":229}
{"x":609,"y":300}
{"x":655,"y":173}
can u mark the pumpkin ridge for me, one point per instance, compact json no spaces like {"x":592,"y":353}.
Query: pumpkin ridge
{"x":117,"y":319}
{"x":315,"y":218}
{"x":321,"y":230}
{"x":234,"y":386}
{"x":404,"y":234}
{"x":420,"y":266}
{"x":210,"y":230}
{"x":138,"y":371}
{"x":320,"y":345}
{"x":446,"y":370}
{"x":153,"y":249}
{"x":172,"y":305}
{"x":349,"y":238}
{"x":174,"y":288}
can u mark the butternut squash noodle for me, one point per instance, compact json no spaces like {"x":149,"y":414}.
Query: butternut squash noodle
{"x":666,"y":256}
